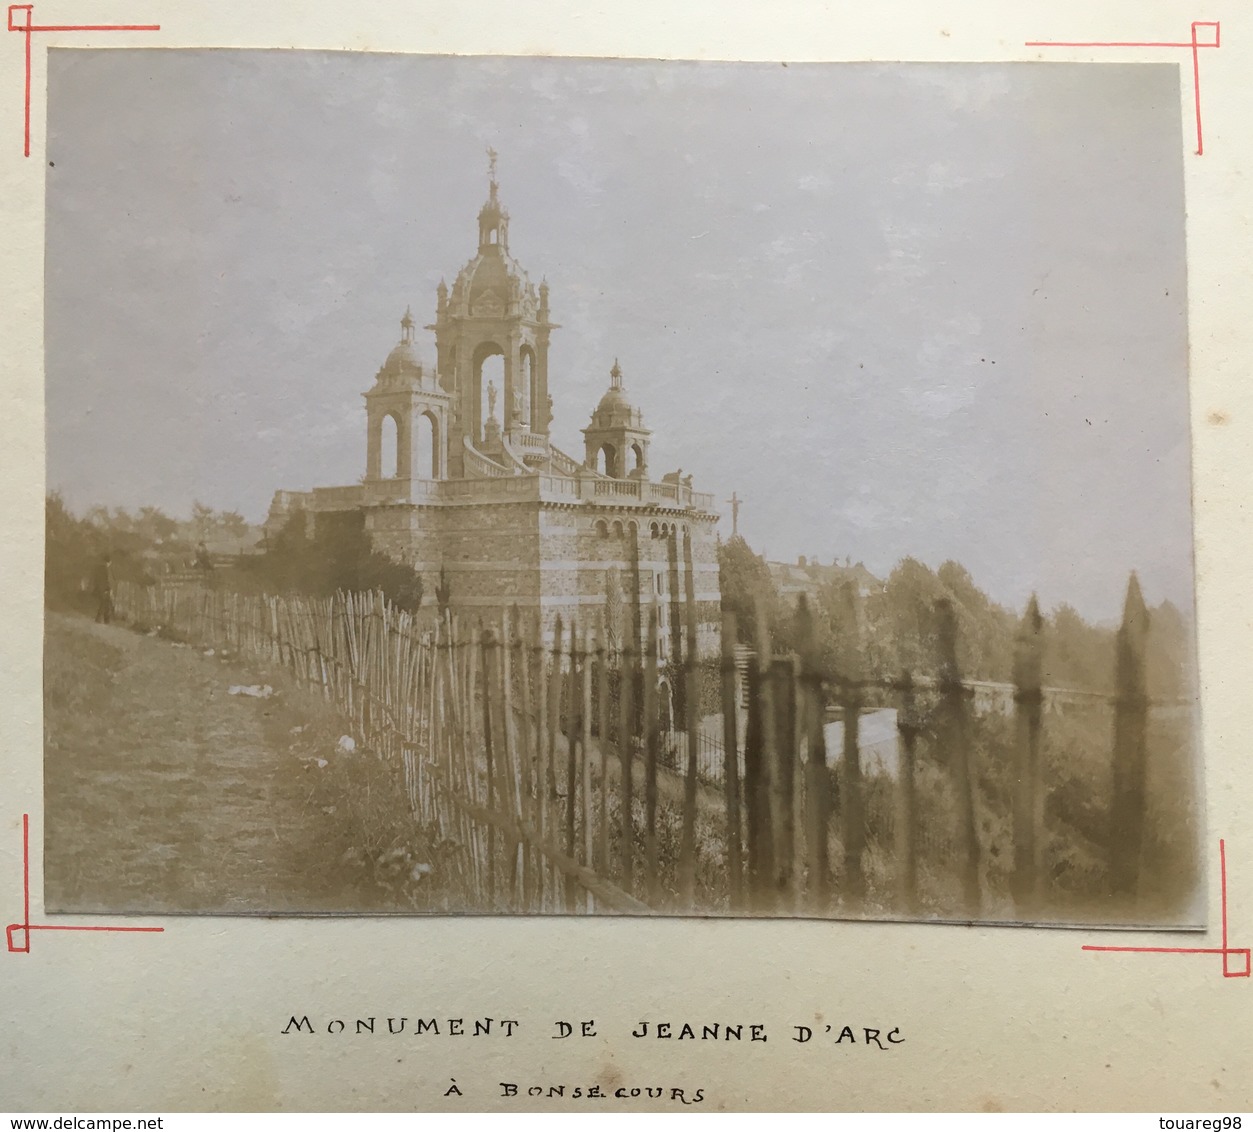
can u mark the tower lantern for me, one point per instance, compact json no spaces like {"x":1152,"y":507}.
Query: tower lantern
{"x":616,"y":441}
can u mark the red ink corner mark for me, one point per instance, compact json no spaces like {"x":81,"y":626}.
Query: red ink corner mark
{"x":1195,"y":44}
{"x":18,"y":935}
{"x":28,"y":27}
{"x":1230,"y":971}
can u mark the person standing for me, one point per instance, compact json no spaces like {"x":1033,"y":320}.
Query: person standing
{"x":103,"y":588}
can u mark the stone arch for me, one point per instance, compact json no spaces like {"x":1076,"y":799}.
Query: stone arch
{"x":618,"y":532}
{"x":391,"y":435}
{"x":427,"y":447}
{"x":607,"y":459}
{"x":637,"y":457}
{"x":602,"y":528}
{"x":484,"y":353}
{"x":525,"y":380}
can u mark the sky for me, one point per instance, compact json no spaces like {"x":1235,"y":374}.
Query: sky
{"x":927,"y":310}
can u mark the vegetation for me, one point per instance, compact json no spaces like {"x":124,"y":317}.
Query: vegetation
{"x":338,"y":556}
{"x":148,"y":545}
{"x":892,"y":628}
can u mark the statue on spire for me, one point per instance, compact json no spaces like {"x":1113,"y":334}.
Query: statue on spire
{"x":491,"y":166}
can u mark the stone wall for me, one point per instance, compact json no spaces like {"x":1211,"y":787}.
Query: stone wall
{"x":550,"y":559}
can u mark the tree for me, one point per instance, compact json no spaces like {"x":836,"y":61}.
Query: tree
{"x":202,"y":520}
{"x":232,"y":524}
{"x":744,"y":578}
{"x":156,"y":525}
{"x":339,"y":556}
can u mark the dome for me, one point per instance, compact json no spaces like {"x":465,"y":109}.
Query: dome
{"x":493,"y":285}
{"x":402,"y":362}
{"x":615,"y":409}
{"x":614,"y":401}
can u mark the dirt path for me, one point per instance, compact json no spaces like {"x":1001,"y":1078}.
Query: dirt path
{"x":163,"y":793}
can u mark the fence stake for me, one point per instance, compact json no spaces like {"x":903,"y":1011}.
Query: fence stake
{"x":957,"y":736}
{"x":1126,"y":826}
{"x":602,"y":740}
{"x":783,"y":779}
{"x":626,"y":761}
{"x":1028,"y":702}
{"x":526,"y":786}
{"x":731,"y":759}
{"x":758,"y":767}
{"x":908,"y":725}
{"x":651,"y":744}
{"x":817,"y":809}
{"x":541,"y":760}
{"x":512,"y":801}
{"x":678,"y":706}
{"x":585,"y":754}
{"x":690,"y":707}
{"x":550,"y":752}
{"x":488,"y":641}
{"x":572,"y":754}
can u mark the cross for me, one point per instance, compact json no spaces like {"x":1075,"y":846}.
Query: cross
{"x":735,"y":502}
{"x":491,"y":163}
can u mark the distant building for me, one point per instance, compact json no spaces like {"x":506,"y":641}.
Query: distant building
{"x":477,"y":488}
{"x":808,"y":576}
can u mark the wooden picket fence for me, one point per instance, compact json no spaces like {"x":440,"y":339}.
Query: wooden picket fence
{"x":541,"y":757}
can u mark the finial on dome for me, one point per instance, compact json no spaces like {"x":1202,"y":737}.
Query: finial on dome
{"x":615,"y":376}
{"x":491,"y":171}
{"x":406,"y":326}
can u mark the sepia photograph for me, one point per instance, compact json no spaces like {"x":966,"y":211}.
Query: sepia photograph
{"x":556,"y":486}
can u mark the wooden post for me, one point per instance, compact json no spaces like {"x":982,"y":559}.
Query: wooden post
{"x":585,"y":748}
{"x":957,"y":739}
{"x":550,"y":751}
{"x":1126,"y":824}
{"x":783,"y":784}
{"x":1028,"y":792}
{"x":602,"y":727}
{"x":676,"y":627}
{"x":691,"y":711}
{"x":758,"y":768}
{"x":852,"y":811}
{"x":731,"y":760}
{"x":626,"y":760}
{"x":572,"y":753}
{"x":637,"y":613}
{"x":541,"y":760}
{"x":817,"y":811}
{"x":908,"y":725}
{"x":527,"y":756}
{"x":651,"y":750}
{"x":850,"y":670}
{"x":510,"y":761}
{"x":488,"y":643}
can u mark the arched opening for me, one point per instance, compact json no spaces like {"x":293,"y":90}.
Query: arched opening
{"x":426,"y":447}
{"x":492,"y":236}
{"x":389,"y":446}
{"x":489,"y":373}
{"x":617,"y":529}
{"x":607,"y":460}
{"x":525,"y":381}
{"x":637,"y":458}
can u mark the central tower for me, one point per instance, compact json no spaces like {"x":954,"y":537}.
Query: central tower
{"x":494,"y":310}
